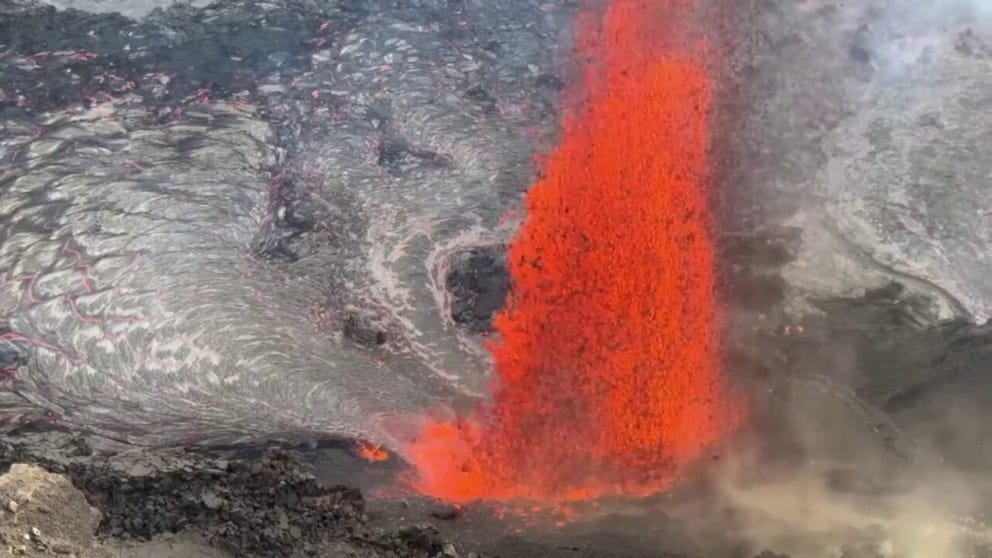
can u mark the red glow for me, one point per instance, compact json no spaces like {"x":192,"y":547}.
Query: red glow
{"x":607,"y":373}
{"x":372,"y":453}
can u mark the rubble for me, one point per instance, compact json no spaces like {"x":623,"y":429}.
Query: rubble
{"x":36,"y":497}
{"x":264,"y":506}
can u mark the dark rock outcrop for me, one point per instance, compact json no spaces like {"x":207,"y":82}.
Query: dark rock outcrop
{"x":477,"y":284}
{"x":253,"y":506}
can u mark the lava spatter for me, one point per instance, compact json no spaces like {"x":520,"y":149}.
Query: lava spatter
{"x":607,"y":374}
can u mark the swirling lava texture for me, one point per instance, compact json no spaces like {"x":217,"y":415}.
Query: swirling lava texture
{"x":607,"y":369}
{"x":196,"y":209}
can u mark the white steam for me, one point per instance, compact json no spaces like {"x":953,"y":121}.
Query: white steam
{"x":874,"y":115}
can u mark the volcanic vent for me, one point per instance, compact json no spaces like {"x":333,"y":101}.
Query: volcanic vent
{"x":607,"y":374}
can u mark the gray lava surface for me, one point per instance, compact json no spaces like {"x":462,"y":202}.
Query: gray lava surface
{"x":255,"y":221}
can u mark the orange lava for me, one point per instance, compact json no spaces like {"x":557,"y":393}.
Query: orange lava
{"x":372,"y":453}
{"x":607,"y":375}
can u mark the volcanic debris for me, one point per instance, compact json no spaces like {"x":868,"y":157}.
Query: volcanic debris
{"x":33,"y":496}
{"x":478,"y":283}
{"x":268,"y":506}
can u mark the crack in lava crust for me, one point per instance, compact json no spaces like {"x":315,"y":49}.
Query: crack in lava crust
{"x":607,"y":376}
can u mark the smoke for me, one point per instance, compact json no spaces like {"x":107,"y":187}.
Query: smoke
{"x":905,"y":36}
{"x":974,"y":8}
{"x":869,"y":118}
{"x":803,"y":515}
{"x":850,"y":495}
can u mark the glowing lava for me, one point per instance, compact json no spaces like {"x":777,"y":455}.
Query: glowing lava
{"x":372,"y":453}
{"x":607,"y":373}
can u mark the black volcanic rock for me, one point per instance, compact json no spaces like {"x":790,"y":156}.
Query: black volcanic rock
{"x":477,"y":284}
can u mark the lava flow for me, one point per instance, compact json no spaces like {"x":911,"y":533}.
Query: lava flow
{"x":607,"y":375}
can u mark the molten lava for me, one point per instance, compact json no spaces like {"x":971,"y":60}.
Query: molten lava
{"x":607,"y":377}
{"x":372,"y":453}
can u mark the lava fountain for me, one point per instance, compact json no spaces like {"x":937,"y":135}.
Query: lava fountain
{"x":607,"y":375}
